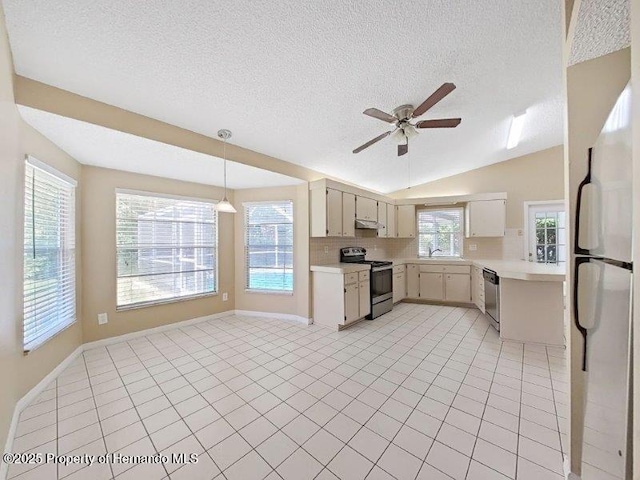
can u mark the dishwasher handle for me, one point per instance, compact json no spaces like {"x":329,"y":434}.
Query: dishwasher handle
{"x":490,"y":276}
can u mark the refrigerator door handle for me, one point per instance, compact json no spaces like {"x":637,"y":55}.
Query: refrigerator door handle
{"x":587,"y":237}
{"x":576,"y":310}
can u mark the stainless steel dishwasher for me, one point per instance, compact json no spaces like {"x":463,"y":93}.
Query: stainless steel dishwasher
{"x":492,"y":297}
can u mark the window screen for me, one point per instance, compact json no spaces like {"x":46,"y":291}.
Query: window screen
{"x":269,"y":246}
{"x":166,"y":248}
{"x":440,"y":232}
{"x":49,"y":254}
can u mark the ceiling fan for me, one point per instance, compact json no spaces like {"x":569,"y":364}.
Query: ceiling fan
{"x":402,"y":116}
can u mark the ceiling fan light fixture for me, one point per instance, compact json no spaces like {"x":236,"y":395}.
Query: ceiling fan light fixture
{"x":398,"y":136}
{"x":225,"y":205}
{"x":516,"y":130}
{"x":410,"y":132}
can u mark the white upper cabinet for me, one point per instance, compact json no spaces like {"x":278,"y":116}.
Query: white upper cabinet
{"x":391,"y":220}
{"x":485,"y":218}
{"x":383,"y":231}
{"x":366,"y":208}
{"x":332,"y":213}
{"x":406,"y":221}
{"x":348,"y":214}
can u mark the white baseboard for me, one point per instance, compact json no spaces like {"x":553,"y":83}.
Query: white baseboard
{"x":151,"y":331}
{"x":29,"y":397}
{"x":276,"y":316}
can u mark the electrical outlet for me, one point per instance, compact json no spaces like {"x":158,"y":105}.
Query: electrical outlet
{"x":520,"y":232}
{"x":375,"y":247}
{"x":473,"y":247}
{"x":326,"y":250}
{"x":102,"y":318}
{"x":225,"y":296}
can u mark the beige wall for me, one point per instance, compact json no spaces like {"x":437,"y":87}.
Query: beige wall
{"x":298,"y":302}
{"x":99,"y":255}
{"x":538,"y":176}
{"x":19,"y":373}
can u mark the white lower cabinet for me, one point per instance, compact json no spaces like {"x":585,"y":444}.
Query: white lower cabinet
{"x":439,"y":283}
{"x":431,"y":286}
{"x":328,"y":287}
{"x":399,"y":283}
{"x":477,"y":288}
{"x":413,"y":281}
{"x":364,"y":299}
{"x":457,"y":287}
{"x":351,"y":303}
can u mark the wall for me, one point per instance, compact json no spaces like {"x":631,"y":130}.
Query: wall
{"x":538,"y":176}
{"x":297,"y":303}
{"x":509,"y":247}
{"x":19,"y":373}
{"x":99,"y":255}
{"x":377,"y":248}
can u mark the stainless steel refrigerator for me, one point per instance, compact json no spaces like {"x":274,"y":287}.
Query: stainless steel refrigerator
{"x":602,"y":297}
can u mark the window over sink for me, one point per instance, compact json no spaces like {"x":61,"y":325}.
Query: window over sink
{"x":440,"y":232}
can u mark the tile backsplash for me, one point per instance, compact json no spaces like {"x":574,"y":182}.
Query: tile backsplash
{"x":509,"y":247}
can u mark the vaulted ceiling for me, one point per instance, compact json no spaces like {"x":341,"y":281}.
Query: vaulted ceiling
{"x":291,"y":78}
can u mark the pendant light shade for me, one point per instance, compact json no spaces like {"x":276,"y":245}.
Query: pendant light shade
{"x":225,"y":205}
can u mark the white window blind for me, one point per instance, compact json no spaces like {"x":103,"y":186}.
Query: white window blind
{"x":49,"y":254}
{"x":440,"y":232}
{"x":166,"y":248}
{"x":269,"y":246}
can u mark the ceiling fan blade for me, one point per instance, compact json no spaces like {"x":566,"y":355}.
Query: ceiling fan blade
{"x":435,"y":97}
{"x":440,"y":123}
{"x":402,"y":149}
{"x":380,"y":115}
{"x":371,"y":142}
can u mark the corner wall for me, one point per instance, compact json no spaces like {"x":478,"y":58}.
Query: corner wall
{"x":537,"y":176}
{"x":18,"y":372}
{"x":297,"y":303}
{"x":99,"y":255}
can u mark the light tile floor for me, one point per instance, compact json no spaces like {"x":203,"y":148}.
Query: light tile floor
{"x":424,"y":392}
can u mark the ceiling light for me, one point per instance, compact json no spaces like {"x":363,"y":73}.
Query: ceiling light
{"x":516,"y":130}
{"x":410,"y":132}
{"x":398,"y":136}
{"x":225,"y":205}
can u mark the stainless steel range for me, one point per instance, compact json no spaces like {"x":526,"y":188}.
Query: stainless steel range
{"x":381,"y":282}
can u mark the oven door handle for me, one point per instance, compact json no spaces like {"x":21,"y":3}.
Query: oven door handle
{"x":381,"y":269}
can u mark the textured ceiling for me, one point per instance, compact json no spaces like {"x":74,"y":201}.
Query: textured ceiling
{"x":103,"y":147}
{"x":603,"y":27}
{"x":291,"y":78}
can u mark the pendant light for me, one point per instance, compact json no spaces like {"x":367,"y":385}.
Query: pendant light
{"x":225,"y":205}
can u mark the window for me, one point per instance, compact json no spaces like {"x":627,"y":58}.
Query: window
{"x":546,"y":232}
{"x":49,"y":253}
{"x":440,"y":232}
{"x":166,"y":248}
{"x":269,"y":246}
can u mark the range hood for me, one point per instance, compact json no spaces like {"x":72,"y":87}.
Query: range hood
{"x":367,"y":224}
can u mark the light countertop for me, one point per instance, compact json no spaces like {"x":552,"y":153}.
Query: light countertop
{"x":513,"y":269}
{"x":521,"y":270}
{"x":341,"y":268}
{"x":432,"y":261}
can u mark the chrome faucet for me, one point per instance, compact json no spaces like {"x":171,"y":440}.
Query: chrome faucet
{"x":431,"y":252}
